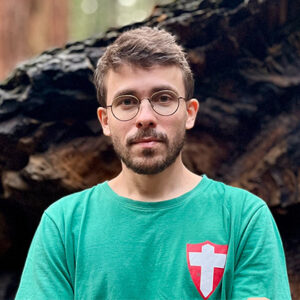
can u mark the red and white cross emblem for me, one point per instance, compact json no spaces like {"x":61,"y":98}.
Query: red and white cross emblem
{"x":206,"y":262}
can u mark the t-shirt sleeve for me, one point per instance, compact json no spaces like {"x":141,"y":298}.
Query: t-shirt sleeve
{"x":45,"y":275}
{"x":260,"y":268}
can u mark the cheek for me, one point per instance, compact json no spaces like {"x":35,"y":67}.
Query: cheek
{"x":178,"y":123}
{"x":120,"y":131}
{"x":175,"y":129}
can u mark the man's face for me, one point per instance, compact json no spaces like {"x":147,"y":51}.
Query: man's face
{"x":148,"y":143}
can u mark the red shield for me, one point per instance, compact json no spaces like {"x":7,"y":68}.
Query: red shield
{"x":206,"y":262}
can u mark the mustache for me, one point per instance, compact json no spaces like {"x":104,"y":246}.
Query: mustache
{"x":147,"y":133}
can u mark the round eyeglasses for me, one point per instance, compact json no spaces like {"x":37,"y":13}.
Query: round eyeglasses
{"x":126,"y":107}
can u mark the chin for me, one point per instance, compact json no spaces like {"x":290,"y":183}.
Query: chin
{"x":147,"y":170}
{"x":149,"y":166}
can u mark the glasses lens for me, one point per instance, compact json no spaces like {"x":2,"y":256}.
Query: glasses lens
{"x":125,"y":107}
{"x":165,"y":102}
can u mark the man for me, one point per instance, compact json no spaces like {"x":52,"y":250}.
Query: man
{"x":156,"y":231}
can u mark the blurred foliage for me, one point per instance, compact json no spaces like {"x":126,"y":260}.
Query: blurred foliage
{"x":89,"y":17}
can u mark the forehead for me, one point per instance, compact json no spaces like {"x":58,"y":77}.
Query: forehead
{"x":143,"y":81}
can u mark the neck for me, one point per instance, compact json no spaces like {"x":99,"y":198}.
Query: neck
{"x":170,"y":183}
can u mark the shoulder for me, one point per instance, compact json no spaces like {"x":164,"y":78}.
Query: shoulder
{"x":235,"y":198}
{"x":245,"y":213}
{"x":73,"y":205}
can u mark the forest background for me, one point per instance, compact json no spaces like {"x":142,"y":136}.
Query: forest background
{"x":28,"y":27}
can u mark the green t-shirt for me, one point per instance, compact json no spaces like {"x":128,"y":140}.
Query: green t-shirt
{"x":214,"y":242}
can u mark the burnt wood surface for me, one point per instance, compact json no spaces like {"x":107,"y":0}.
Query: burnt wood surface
{"x":246,"y":59}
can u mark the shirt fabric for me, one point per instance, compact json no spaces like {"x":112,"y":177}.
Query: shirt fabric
{"x":96,"y":244}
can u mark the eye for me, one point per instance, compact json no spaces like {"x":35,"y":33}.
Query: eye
{"x":164,"y":98}
{"x":125,"y":101}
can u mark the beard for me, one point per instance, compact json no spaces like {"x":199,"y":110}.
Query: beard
{"x":149,"y":163}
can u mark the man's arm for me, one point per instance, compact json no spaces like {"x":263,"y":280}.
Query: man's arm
{"x":45,"y":275}
{"x":260,"y":268}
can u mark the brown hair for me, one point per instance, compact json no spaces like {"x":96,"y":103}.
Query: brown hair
{"x":143,"y":47}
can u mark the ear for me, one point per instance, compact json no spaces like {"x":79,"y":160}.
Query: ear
{"x":103,"y":119}
{"x":192,"y":107}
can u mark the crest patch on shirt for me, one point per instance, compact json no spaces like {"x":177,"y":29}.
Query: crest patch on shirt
{"x":206,"y":263}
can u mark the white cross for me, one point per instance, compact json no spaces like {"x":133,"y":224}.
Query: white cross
{"x":207,"y":260}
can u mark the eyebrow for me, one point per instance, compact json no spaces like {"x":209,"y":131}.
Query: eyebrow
{"x":153,"y":90}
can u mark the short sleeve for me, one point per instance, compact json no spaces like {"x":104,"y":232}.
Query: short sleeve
{"x":260,"y":268}
{"x":45,"y":275}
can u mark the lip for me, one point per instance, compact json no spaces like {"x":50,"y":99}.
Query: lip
{"x":147,"y":142}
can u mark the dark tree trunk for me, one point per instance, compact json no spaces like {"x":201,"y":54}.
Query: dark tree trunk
{"x":246,"y":60}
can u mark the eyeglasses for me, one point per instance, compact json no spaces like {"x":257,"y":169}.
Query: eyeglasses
{"x":126,"y":107}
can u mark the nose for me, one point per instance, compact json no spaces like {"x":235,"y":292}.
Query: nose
{"x":146,"y":116}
